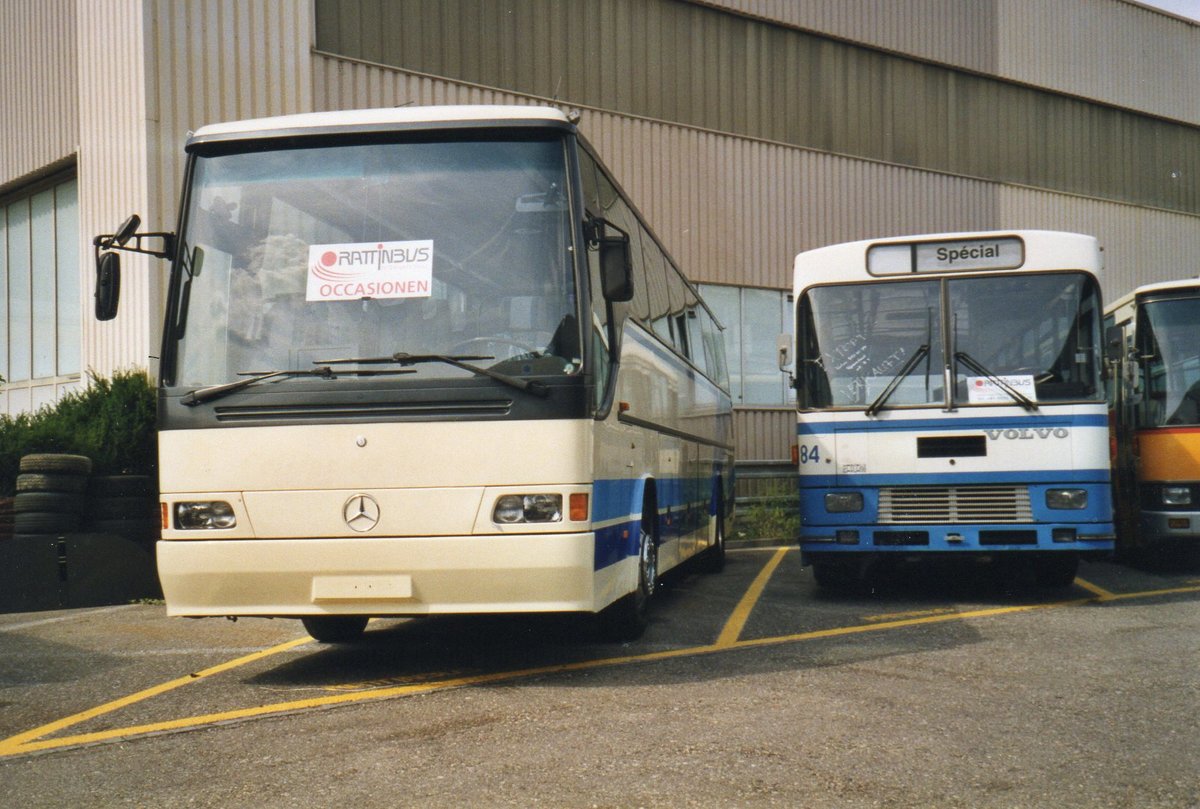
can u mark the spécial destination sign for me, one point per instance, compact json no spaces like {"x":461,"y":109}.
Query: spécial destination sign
{"x":1004,"y":253}
{"x":350,"y":272}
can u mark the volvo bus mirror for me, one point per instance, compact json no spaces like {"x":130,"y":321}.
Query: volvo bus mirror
{"x":1114,"y":343}
{"x":108,"y":285}
{"x":616,"y":268}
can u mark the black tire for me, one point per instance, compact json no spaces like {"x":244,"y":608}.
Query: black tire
{"x":712,"y":560}
{"x":43,"y":482}
{"x":627,"y":618}
{"x":26,"y":502}
{"x":835,"y":575}
{"x":52,"y":522}
{"x":123,"y":486}
{"x":335,"y":628}
{"x":56,"y":463}
{"x":1056,"y":572}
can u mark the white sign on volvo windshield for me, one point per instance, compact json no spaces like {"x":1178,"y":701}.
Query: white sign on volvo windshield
{"x":1004,"y":253}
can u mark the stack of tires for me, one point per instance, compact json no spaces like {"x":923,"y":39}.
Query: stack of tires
{"x":126,"y":506}
{"x":51,"y":494}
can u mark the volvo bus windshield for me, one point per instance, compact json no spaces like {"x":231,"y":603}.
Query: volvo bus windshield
{"x":888,"y":344}
{"x":458,"y":248}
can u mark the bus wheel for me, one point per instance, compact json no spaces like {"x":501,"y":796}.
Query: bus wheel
{"x":626,"y":619}
{"x":1057,"y":571}
{"x":335,"y":628}
{"x":713,"y":559}
{"x":836,"y":575}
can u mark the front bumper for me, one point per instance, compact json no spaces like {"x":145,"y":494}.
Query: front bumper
{"x":379,"y":576}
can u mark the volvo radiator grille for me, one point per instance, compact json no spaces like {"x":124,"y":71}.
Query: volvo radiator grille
{"x":910,"y":505}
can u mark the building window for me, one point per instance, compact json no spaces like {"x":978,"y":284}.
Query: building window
{"x":39,"y":295}
{"x":753,"y":320}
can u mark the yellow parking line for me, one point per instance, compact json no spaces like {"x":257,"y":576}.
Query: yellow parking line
{"x":21,"y":742}
{"x":741,"y":613}
{"x":1100,"y":592}
{"x":34,"y":740}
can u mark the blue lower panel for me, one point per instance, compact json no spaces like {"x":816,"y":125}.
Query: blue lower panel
{"x":1002,"y":538}
{"x":616,"y":542}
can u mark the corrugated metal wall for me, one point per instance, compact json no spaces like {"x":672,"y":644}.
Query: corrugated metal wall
{"x":773,"y":201}
{"x":158,"y":69}
{"x":113,"y":175}
{"x":1079,"y":48}
{"x":38,"y":88}
{"x":705,"y":68}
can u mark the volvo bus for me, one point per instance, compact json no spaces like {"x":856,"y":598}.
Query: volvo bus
{"x":422,"y":361}
{"x":950,"y":402}
{"x":1155,"y":395}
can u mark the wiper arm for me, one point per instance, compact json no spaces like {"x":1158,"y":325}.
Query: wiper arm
{"x":917,"y":356}
{"x":1018,"y":397}
{"x":203,"y":395}
{"x":458,"y":361}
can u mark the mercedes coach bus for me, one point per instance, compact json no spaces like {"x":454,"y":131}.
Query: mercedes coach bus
{"x":1155,"y":393}
{"x":951,"y":403}
{"x":421,"y":361}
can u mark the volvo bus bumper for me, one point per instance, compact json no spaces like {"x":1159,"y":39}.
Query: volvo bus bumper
{"x":383,"y":576}
{"x":1086,"y":539}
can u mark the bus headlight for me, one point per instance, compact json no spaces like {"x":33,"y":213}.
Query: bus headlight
{"x":843,"y":502}
{"x":1177,"y":495}
{"x":518,"y":508}
{"x":195,"y":516}
{"x":1066,"y":498}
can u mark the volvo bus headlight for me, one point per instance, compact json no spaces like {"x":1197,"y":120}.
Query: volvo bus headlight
{"x":1177,"y":495}
{"x":195,"y":516}
{"x":1066,"y":498}
{"x":519,"y":508}
{"x":843,"y":502}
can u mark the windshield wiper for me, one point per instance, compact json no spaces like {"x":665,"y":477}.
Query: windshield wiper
{"x":203,"y":395}
{"x":918,"y":355}
{"x":458,"y":361}
{"x":1018,"y":397}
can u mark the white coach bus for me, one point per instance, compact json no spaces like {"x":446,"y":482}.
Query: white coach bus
{"x":421,"y":361}
{"x":950,"y":402}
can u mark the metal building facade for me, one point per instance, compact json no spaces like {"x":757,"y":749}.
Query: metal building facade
{"x":745,"y":130}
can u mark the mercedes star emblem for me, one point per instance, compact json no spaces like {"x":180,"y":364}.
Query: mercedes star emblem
{"x":361,"y":512}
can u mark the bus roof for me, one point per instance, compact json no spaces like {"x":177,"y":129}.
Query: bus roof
{"x":1036,"y":250}
{"x":1127,"y":299}
{"x":380,"y":120}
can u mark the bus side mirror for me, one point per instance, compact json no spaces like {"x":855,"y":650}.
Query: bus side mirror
{"x":108,"y":285}
{"x":783,"y":351}
{"x":1114,"y":344}
{"x":616,"y":268}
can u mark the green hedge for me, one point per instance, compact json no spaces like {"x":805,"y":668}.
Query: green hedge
{"x":112,"y":421}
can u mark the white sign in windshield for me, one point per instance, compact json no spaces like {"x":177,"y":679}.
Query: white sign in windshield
{"x":982,"y":390}
{"x":347,"y":272}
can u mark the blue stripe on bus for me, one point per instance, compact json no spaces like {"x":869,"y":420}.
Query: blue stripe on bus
{"x":951,"y":423}
{"x":615,"y":500}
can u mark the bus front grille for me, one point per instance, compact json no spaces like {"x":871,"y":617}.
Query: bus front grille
{"x":910,"y":505}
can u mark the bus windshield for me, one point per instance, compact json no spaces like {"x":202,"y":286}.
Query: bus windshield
{"x":459,"y":248}
{"x":1168,"y":342}
{"x":1033,"y":334}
